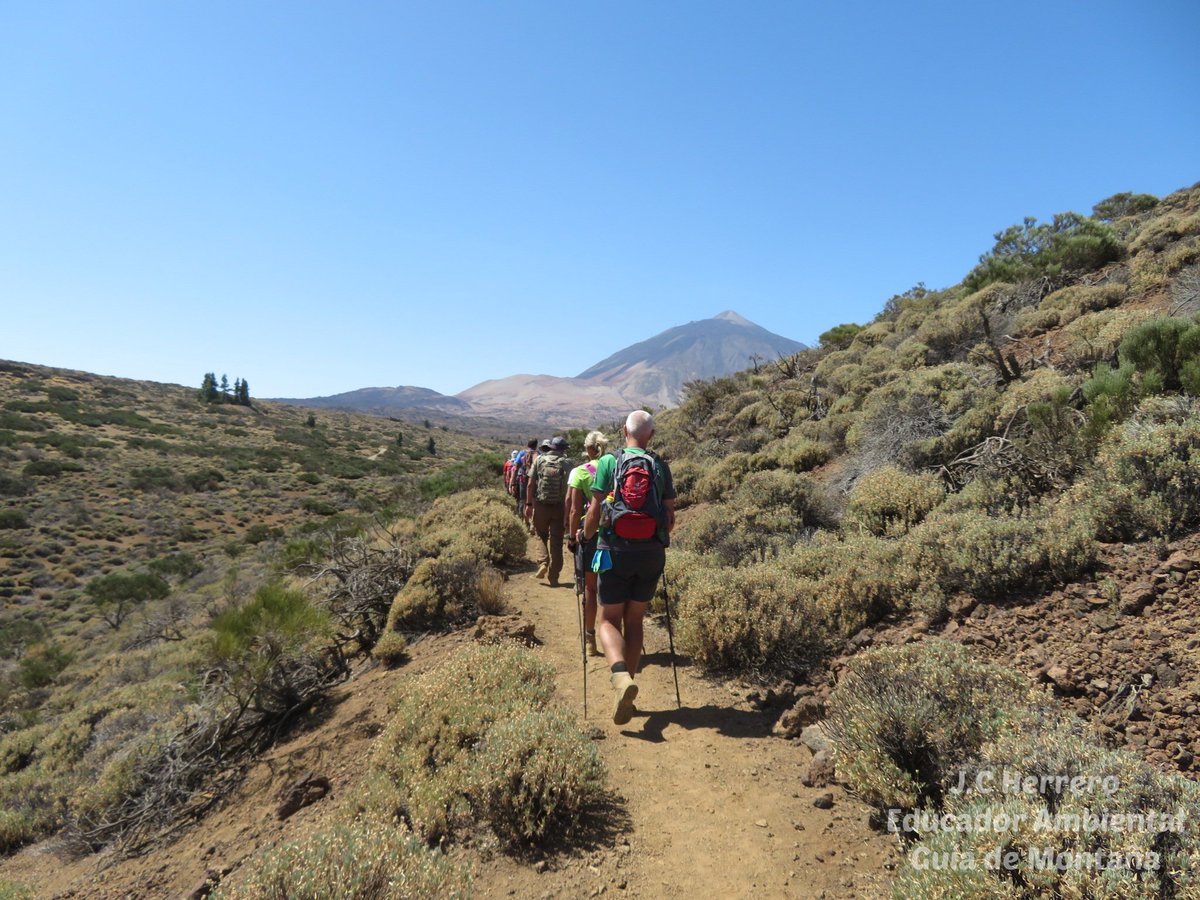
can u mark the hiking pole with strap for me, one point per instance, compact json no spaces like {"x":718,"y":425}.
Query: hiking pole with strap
{"x":580,"y":594}
{"x":671,"y":639}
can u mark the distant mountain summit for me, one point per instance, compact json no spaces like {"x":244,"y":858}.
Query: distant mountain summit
{"x":655,"y":370}
{"x":649,"y":373}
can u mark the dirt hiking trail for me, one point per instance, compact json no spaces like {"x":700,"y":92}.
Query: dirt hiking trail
{"x":705,"y":802}
{"x":710,"y":804}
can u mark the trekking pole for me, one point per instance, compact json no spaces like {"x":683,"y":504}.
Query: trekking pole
{"x":671,"y":639}
{"x":579,"y":596}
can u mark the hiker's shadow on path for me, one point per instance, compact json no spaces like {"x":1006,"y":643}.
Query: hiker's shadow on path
{"x":726,"y":720}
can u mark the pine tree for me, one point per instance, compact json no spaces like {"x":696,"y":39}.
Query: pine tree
{"x":225,"y":386}
{"x":399,"y":438}
{"x":208,"y":387}
{"x":432,"y":446}
{"x":243,"y":396}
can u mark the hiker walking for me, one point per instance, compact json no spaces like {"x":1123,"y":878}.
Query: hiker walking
{"x":510,"y":466}
{"x":634,"y":486}
{"x":545,"y":498}
{"x":579,"y":495}
{"x":521,"y":477}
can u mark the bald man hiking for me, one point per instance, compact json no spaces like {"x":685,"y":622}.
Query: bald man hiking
{"x":634,"y":487}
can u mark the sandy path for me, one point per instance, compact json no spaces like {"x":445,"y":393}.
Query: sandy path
{"x":711,"y":804}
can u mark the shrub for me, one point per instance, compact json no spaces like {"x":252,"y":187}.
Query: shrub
{"x":369,"y":859}
{"x":31,"y":806}
{"x":719,"y":531}
{"x":391,"y":649}
{"x":50,"y":468}
{"x":858,"y":579}
{"x":1067,"y":304}
{"x":533,"y":776}
{"x":1069,"y":243}
{"x":1151,"y":862}
{"x":13,"y":519}
{"x":478,"y":523}
{"x":430,"y":767}
{"x":260,"y":532}
{"x":318,"y":507}
{"x":1167,"y":353}
{"x":889,"y":501}
{"x":115,"y":596}
{"x":903,"y":719}
{"x":1160,"y":232}
{"x":1148,"y":478}
{"x":153,"y":478}
{"x":839,"y":337}
{"x":441,"y":591}
{"x":491,"y":592}
{"x":1095,"y":337}
{"x":991,"y":556}
{"x":722,"y":476}
{"x":14,"y":487}
{"x":41,"y":664}
{"x":269,"y":652}
{"x":1123,"y":204}
{"x":479,"y":471}
{"x":798,"y":453}
{"x":206,"y":480}
{"x":760,"y":621}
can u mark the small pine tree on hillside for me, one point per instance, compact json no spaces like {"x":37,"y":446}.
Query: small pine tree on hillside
{"x":432,"y":446}
{"x":208,"y":388}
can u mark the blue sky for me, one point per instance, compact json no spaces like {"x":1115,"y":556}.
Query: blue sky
{"x":325,"y":196}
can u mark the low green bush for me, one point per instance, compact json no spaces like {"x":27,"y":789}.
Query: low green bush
{"x":454,"y":754}
{"x":444,"y":590}
{"x":721,"y":476}
{"x":13,"y":519}
{"x":889,"y":501}
{"x":759,"y":621}
{"x":473,"y":523}
{"x":1067,"y":244}
{"x":14,"y":487}
{"x":391,"y":649}
{"x":534,"y":775}
{"x":1052,"y":850}
{"x":367,"y":859}
{"x":50,"y":468}
{"x":905,"y":719}
{"x":1166,"y":352}
{"x":1147,"y":478}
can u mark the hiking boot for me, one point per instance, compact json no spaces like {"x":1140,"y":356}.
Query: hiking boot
{"x":593,"y":650}
{"x":626,"y":692}
{"x":542,"y":570}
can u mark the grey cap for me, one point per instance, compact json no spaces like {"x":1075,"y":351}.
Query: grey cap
{"x":558,"y":443}
{"x":545,"y":444}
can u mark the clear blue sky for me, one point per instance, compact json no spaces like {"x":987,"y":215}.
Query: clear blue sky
{"x":325,"y":196}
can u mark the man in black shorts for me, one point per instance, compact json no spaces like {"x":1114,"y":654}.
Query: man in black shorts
{"x":630,"y":566}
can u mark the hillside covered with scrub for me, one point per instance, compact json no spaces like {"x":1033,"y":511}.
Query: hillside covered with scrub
{"x":1010,"y":465}
{"x":258,"y":651}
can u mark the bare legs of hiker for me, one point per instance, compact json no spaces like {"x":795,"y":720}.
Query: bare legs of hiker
{"x":621,"y":634}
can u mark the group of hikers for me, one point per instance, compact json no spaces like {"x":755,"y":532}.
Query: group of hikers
{"x":617,"y":511}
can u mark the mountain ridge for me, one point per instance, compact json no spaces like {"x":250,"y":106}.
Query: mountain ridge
{"x":650,"y":372}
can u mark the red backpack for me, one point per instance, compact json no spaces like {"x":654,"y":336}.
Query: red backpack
{"x":636,"y":507}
